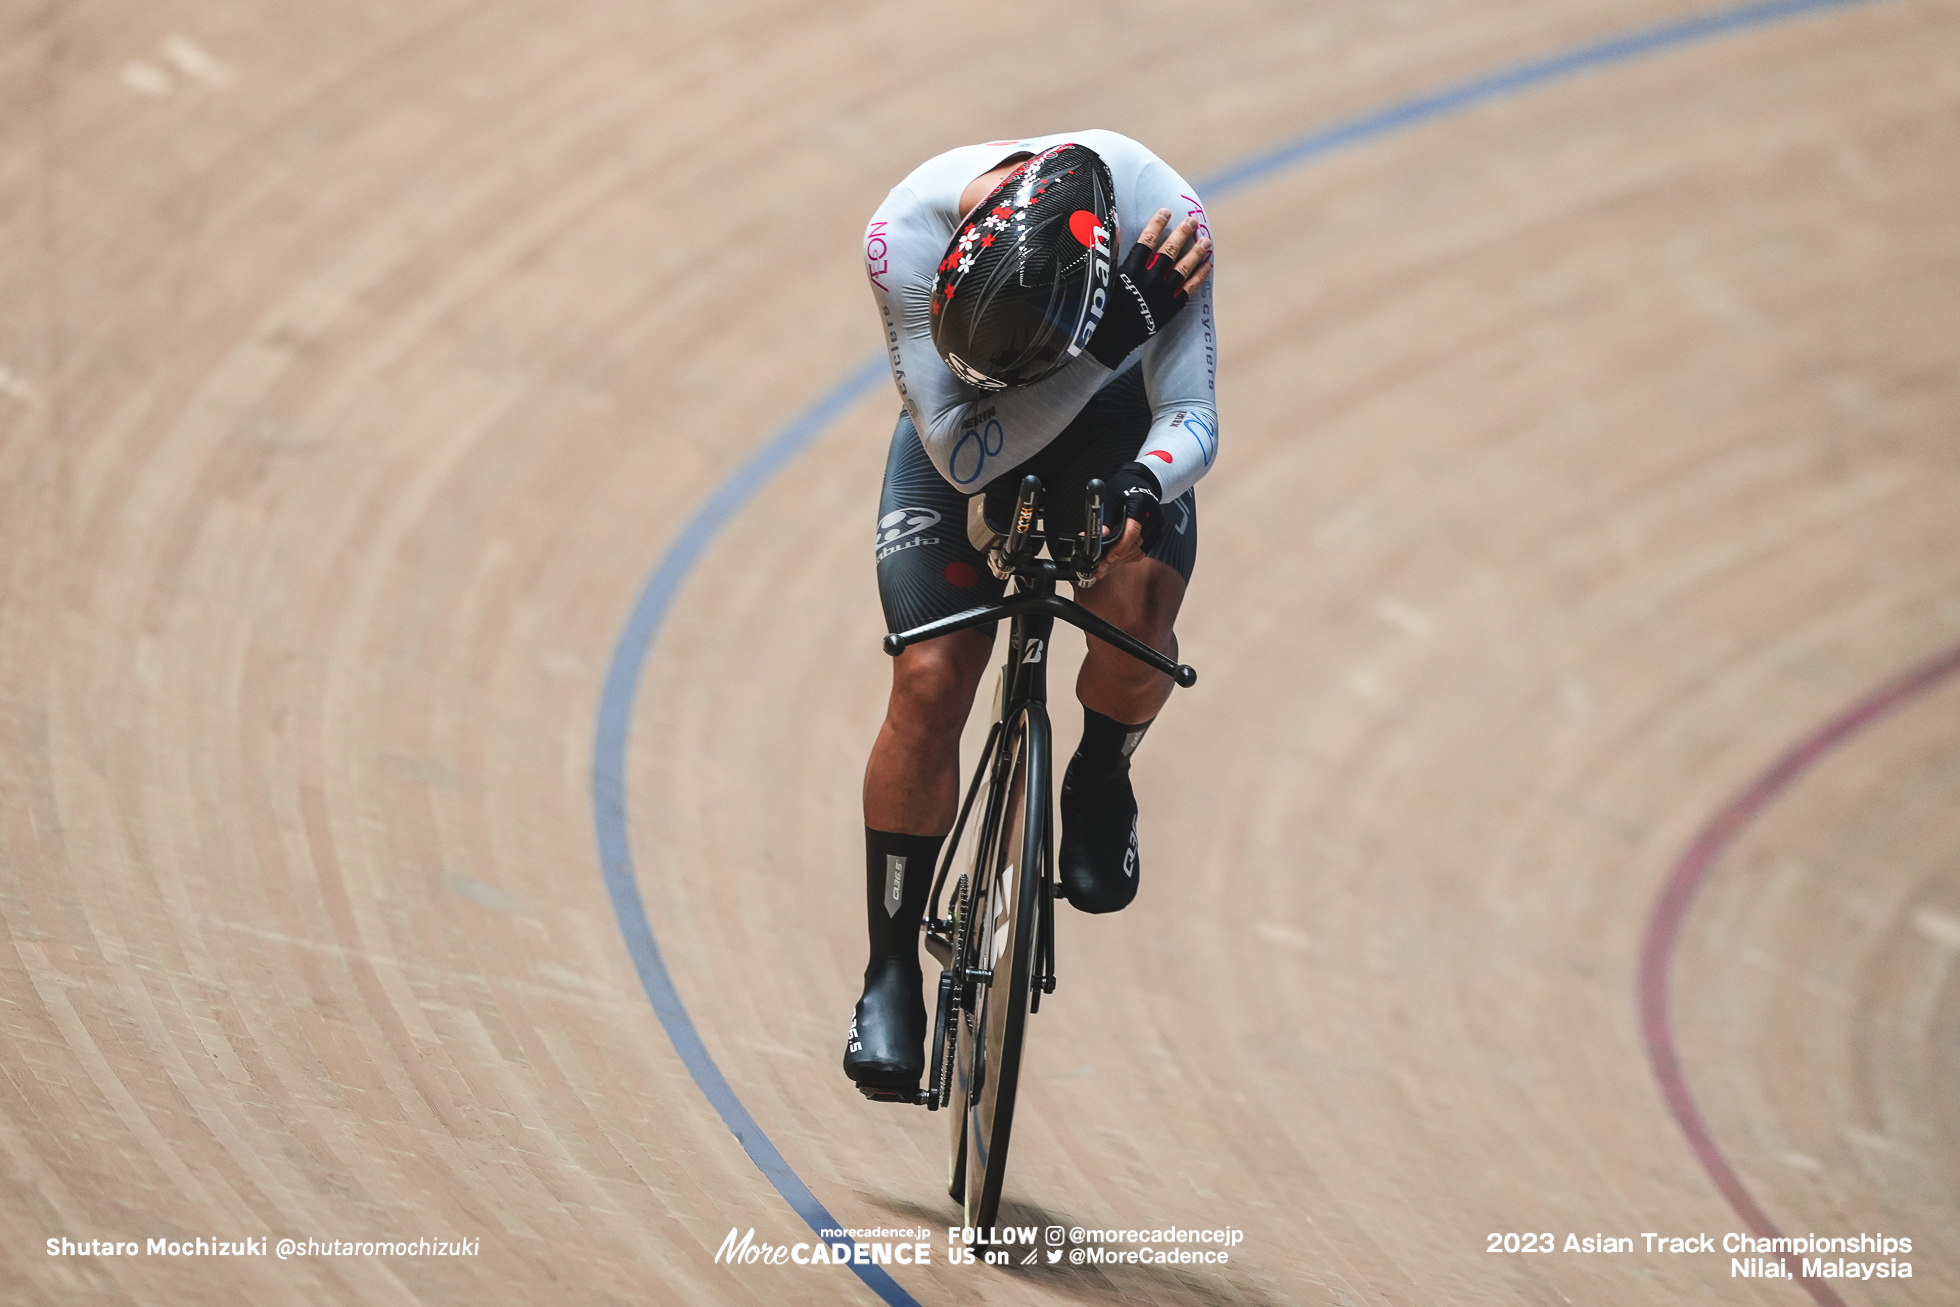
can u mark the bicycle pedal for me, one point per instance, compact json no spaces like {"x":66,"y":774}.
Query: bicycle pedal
{"x":890,"y":1095}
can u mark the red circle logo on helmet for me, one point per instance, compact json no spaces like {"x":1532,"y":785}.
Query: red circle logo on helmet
{"x":1085,"y":227}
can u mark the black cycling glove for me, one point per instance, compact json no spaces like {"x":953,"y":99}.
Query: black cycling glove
{"x":1142,"y":495}
{"x":1144,"y":297}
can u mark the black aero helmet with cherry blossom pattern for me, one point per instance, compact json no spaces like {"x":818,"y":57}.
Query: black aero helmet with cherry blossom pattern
{"x":1025,"y":277}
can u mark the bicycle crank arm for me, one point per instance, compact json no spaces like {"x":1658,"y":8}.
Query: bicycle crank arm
{"x":940,"y":947}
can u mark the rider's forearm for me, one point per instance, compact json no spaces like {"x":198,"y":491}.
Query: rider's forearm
{"x":1183,"y":439}
{"x":1181,"y":446}
{"x":1180,"y":371}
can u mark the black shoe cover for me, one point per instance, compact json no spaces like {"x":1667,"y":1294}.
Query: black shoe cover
{"x":1099,"y":861}
{"x":886,"y":1047}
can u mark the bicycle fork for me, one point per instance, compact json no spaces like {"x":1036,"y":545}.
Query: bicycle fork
{"x":1028,"y":650}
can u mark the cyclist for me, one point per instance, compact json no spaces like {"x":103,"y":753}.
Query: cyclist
{"x":1026,"y":337}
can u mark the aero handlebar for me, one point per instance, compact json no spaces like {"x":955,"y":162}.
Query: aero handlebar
{"x":1016,"y":557}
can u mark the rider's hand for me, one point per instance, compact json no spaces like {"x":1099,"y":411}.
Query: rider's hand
{"x":1140,"y":493}
{"x":1127,"y":549}
{"x":1150,"y":286}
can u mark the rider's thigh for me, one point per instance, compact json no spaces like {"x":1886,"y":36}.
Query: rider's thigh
{"x":927,"y":568}
{"x":933,"y":683}
{"x":1141,"y":597}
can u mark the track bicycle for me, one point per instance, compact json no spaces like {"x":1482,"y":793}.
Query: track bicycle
{"x":996,"y":943}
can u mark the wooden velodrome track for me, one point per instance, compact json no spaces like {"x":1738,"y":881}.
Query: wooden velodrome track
{"x":1585,"y":450}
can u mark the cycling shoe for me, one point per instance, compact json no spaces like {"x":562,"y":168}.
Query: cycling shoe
{"x":1098,"y":857}
{"x":885,"y":1051}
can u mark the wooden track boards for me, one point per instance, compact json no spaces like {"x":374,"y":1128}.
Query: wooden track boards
{"x":1580,"y":452}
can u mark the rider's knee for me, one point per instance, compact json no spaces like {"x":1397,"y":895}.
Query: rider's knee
{"x":933,"y":683}
{"x":1147,"y":610}
{"x":1117,"y":672}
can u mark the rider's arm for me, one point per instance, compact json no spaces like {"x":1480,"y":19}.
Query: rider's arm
{"x":970,"y":435}
{"x":1180,"y":363}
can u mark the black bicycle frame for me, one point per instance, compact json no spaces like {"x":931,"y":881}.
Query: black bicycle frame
{"x":1031,"y":607}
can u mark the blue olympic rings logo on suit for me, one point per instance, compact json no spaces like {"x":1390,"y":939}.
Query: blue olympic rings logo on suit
{"x":980,"y":444}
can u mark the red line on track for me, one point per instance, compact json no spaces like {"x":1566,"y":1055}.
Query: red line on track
{"x":1664,"y":930}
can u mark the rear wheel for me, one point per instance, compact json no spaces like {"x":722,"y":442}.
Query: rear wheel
{"x":1001,"y":948}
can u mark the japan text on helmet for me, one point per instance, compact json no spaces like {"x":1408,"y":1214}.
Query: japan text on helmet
{"x":1025,"y":277}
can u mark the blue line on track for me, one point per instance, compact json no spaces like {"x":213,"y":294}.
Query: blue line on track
{"x":609,"y":745}
{"x":1491,"y":86}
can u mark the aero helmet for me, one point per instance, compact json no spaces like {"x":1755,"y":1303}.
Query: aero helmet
{"x":1024,"y":279}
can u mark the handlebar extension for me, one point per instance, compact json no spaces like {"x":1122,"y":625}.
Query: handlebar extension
{"x":1089,"y":545}
{"x":1020,"y":531}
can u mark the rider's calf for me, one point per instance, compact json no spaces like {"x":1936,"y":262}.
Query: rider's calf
{"x":1142,"y":599}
